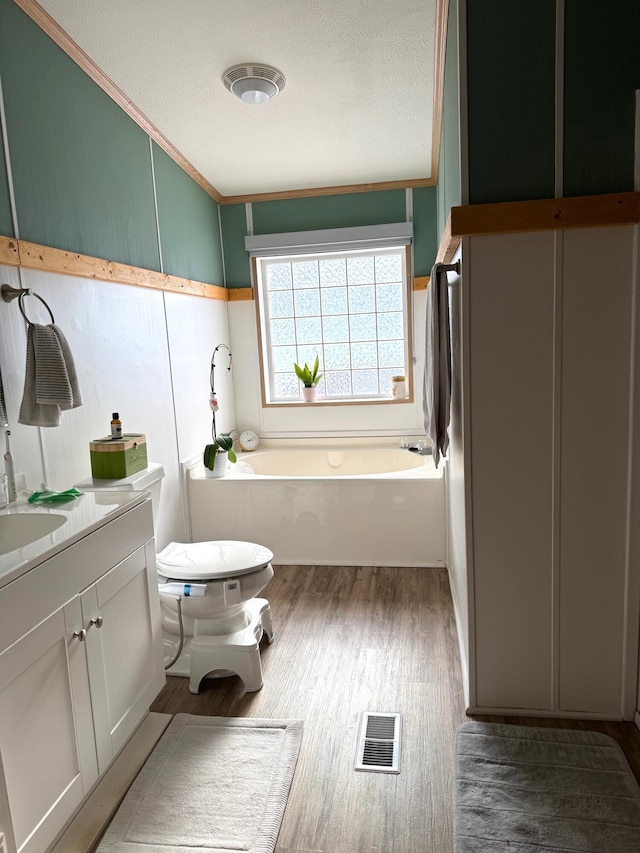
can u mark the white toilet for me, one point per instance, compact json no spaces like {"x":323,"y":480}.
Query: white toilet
{"x":212,"y":621}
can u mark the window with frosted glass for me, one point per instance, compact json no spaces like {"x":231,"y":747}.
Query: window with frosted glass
{"x":349,"y":309}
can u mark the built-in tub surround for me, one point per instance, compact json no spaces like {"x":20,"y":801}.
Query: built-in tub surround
{"x":311,"y":502}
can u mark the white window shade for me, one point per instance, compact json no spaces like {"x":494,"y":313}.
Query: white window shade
{"x":328,"y":240}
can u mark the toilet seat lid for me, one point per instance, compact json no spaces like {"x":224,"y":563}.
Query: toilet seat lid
{"x":221,"y":558}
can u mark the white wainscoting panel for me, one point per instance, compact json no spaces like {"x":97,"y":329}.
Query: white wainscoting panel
{"x":196,"y":327}
{"x":596,"y":372}
{"x":555,"y":491}
{"x":25,"y":441}
{"x":511,"y":373}
{"x":118,"y":336}
{"x":457,"y":512}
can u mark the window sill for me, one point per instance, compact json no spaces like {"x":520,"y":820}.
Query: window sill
{"x":372,"y":401}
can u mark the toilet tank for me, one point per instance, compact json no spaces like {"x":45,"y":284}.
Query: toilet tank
{"x":148,"y":480}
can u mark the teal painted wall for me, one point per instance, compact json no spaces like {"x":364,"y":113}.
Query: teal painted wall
{"x":601,"y":74}
{"x":449,"y":184}
{"x":511,"y":99}
{"x":237,"y":269}
{"x":81,"y":167}
{"x":188,"y":223}
{"x":332,"y":211}
{"x":6,"y":222}
{"x":329,"y":211}
{"x":425,"y":237}
{"x":82,"y":171}
{"x":511,"y":56}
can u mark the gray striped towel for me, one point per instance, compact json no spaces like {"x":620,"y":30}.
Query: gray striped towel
{"x":51,"y":381}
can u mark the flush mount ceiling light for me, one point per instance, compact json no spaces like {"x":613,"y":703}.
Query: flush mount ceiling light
{"x":253,"y":83}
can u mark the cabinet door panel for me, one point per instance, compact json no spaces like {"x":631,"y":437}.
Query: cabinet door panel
{"x":597,"y":350}
{"x":125,"y":659}
{"x":45,"y":715}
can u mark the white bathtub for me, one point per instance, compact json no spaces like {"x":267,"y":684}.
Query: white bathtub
{"x":356,"y":504}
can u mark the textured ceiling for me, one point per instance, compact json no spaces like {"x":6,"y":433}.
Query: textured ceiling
{"x":357,"y":106}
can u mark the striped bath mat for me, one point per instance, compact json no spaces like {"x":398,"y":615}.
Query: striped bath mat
{"x":211,"y":785}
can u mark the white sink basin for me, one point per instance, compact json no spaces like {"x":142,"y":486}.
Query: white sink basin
{"x":22,"y":528}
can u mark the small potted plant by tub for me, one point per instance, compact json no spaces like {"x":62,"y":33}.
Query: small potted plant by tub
{"x":217,"y":455}
{"x":309,"y":378}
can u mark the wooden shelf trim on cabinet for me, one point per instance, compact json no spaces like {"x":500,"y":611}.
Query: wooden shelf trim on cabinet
{"x":550,"y":214}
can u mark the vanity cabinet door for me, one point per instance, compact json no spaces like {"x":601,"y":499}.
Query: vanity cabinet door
{"x":47,"y":747}
{"x":121,"y":615}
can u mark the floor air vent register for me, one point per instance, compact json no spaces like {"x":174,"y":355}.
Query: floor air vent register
{"x":378,"y":749}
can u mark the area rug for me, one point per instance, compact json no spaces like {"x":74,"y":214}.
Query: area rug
{"x":526,"y":789}
{"x":212,"y":785}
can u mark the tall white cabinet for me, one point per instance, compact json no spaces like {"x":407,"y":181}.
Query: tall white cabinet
{"x":550,"y":422}
{"x":80,"y":663}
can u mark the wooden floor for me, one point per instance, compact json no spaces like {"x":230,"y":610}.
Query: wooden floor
{"x":349,"y":640}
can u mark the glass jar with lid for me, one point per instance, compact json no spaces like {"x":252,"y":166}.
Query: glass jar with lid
{"x":398,"y":387}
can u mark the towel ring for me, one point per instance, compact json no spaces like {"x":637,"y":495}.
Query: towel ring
{"x":21,"y":306}
{"x":10,"y":293}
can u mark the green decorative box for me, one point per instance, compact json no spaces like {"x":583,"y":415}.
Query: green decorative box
{"x":113,"y":459}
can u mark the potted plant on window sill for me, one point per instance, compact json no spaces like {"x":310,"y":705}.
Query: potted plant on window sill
{"x":309,"y":378}
{"x":217,"y":455}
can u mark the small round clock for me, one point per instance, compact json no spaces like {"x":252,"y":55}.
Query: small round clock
{"x":248,"y":440}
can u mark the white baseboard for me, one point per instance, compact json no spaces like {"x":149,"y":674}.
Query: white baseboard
{"x":549,"y":713}
{"x":464,"y":663}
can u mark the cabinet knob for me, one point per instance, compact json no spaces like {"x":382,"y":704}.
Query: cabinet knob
{"x":81,"y":634}
{"x":98,"y":622}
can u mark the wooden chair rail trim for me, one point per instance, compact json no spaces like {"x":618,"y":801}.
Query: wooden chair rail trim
{"x":33,"y":256}
{"x":448,"y":244}
{"x":241,"y":294}
{"x":9,"y":253}
{"x":36,"y":257}
{"x":246,"y":294}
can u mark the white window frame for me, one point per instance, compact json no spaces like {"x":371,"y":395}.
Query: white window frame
{"x":289,"y":252}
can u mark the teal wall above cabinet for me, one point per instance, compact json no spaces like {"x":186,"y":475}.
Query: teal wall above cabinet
{"x":425,"y":237}
{"x":601,"y":75}
{"x":188,"y":223}
{"x":513,"y":56}
{"x":511,"y":99}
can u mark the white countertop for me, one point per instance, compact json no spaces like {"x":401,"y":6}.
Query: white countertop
{"x":83,"y":515}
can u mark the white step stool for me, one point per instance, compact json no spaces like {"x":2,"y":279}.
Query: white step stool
{"x":238,"y":653}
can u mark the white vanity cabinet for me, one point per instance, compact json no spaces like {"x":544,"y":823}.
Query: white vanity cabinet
{"x":80,"y":662}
